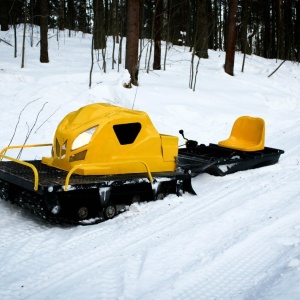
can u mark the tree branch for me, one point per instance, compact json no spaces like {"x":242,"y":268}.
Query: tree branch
{"x":29,"y":132}
{"x":1,"y":40}
{"x":276,"y":69}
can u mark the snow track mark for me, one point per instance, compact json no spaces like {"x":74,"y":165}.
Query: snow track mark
{"x":233,"y":274}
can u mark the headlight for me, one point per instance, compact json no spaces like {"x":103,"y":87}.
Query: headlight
{"x":83,"y":138}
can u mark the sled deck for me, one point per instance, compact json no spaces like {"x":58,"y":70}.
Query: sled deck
{"x":244,"y":149}
{"x":220,"y":161}
{"x":86,"y":199}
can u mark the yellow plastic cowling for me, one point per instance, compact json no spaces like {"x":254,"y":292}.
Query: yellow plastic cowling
{"x":169,"y":147}
{"x":102,"y":139}
{"x":247,"y":134}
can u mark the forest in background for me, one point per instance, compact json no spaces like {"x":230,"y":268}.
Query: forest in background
{"x":268,"y":28}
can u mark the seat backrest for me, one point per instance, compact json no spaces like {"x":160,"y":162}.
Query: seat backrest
{"x":247,"y":134}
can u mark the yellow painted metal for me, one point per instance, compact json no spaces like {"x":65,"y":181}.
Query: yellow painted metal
{"x":247,"y":134}
{"x":112,"y":139}
{"x":31,"y":166}
{"x":104,"y":167}
{"x":22,"y":146}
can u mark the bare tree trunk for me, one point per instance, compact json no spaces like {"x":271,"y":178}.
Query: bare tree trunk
{"x":220,"y":32}
{"x":157,"y":35}
{"x":150,"y":54}
{"x":71,"y":15}
{"x":61,"y":16}
{"x":178,"y":20}
{"x":113,"y":53}
{"x":44,"y":58}
{"x":31,"y":21}
{"x":82,"y":16}
{"x":231,"y":38}
{"x":192,"y":70}
{"x":4,"y":16}
{"x":216,"y":25}
{"x":114,"y":20}
{"x":201,"y":39}
{"x":210,"y":24}
{"x":243,"y":35}
{"x":106,"y":19}
{"x":288,"y":33}
{"x":92,"y":62}
{"x":99,"y":29}
{"x":24,"y":36}
{"x":192,"y":9}
{"x":122,"y":26}
{"x":244,"y":23}
{"x":273,"y":35}
{"x":267,"y":31}
{"x":15,"y":38}
{"x":120,"y":52}
{"x":223,"y":16}
{"x":14,"y":17}
{"x":195,"y":80}
{"x":132,"y":43}
{"x":280,"y":43}
{"x":297,"y":31}
{"x":167,"y":32}
{"x":104,"y":59}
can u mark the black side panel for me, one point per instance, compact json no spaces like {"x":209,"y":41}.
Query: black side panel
{"x":70,"y":203}
{"x":127,"y":193}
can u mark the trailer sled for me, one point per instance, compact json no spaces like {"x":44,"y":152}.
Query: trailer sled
{"x":243,"y":150}
{"x":220,"y":161}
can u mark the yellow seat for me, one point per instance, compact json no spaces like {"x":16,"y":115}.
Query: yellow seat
{"x":247,"y":134}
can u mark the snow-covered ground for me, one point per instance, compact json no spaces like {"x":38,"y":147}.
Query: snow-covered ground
{"x":239,"y":238}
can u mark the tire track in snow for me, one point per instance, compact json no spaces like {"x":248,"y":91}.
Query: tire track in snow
{"x":224,"y":232}
{"x":233,"y":273}
{"x":104,"y":283}
{"x":86,"y":237}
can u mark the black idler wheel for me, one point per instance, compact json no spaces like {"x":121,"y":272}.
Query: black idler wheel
{"x":82,"y":212}
{"x":110,"y":212}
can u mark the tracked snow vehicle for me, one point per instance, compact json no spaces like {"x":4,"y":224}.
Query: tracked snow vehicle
{"x":104,"y":158}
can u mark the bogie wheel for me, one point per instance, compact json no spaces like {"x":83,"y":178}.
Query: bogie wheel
{"x":110,"y":211}
{"x":136,"y":198}
{"x":83,"y":212}
{"x":160,"y":196}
